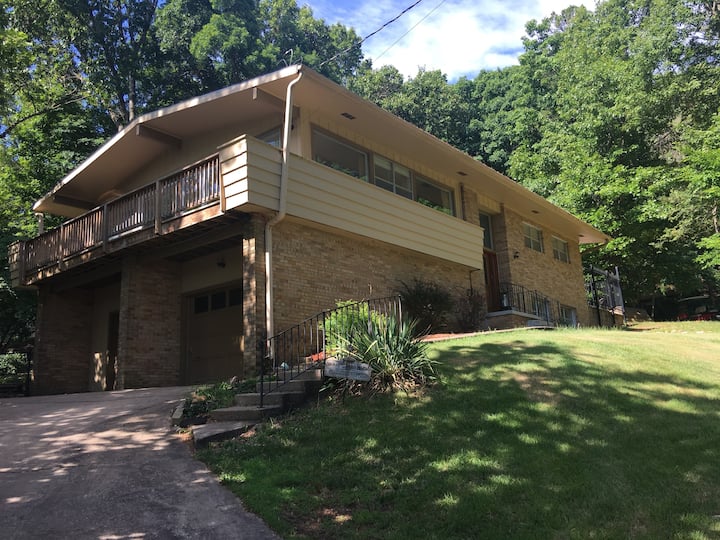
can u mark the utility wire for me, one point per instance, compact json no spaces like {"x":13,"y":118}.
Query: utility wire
{"x":363,"y":40}
{"x":433,"y":10}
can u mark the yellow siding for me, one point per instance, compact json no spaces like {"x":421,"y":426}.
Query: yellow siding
{"x":251,"y":176}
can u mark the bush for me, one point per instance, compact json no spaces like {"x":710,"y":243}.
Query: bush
{"x":209,"y":397}
{"x":471,"y":311}
{"x":428,"y":303}
{"x":13,"y":367}
{"x":348,"y":320}
{"x":397,"y":356}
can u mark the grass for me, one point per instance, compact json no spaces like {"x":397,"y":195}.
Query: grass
{"x":530,"y":434}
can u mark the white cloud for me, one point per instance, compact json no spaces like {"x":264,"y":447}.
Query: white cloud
{"x":460,"y":37}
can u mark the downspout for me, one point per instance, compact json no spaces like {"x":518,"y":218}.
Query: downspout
{"x":282,"y":209}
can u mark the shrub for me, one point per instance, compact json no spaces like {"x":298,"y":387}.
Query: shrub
{"x":471,"y":311}
{"x":13,"y":367}
{"x":428,"y":303}
{"x":397,"y":356}
{"x":349,"y":319}
{"x":209,"y":397}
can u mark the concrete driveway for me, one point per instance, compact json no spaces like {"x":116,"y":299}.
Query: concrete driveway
{"x":107,"y":465}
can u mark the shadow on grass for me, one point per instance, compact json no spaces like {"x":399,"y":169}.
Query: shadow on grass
{"x":521,"y":440}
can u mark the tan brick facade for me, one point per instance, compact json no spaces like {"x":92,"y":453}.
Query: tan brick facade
{"x":560,"y":281}
{"x":149,"y":351}
{"x":253,"y":293}
{"x":62,"y":341}
{"x":315,"y":268}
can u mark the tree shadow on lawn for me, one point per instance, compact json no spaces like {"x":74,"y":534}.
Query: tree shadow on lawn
{"x":581,"y":450}
{"x":518,"y":441}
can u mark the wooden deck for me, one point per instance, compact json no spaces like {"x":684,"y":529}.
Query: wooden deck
{"x":170,"y":204}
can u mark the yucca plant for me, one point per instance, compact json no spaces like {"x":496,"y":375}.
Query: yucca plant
{"x":397,"y":355}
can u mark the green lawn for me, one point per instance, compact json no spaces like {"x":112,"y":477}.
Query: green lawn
{"x":530,"y":434}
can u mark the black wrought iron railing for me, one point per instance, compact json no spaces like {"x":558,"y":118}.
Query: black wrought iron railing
{"x":552,"y":312}
{"x":306,"y":345}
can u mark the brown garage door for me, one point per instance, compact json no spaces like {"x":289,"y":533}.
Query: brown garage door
{"x":214,"y":336}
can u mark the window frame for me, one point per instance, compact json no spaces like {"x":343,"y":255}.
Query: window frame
{"x":536,"y":244}
{"x":564,"y":311}
{"x":273,"y":137}
{"x":562,"y":255}
{"x":393,"y":167}
{"x":488,"y":241}
{"x":371,"y":158}
{"x":449,"y":210}
{"x":348,"y":145}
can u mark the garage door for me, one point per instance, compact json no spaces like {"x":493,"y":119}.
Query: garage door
{"x":214,"y":336}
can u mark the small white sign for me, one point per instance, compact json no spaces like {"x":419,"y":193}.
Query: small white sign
{"x":347,"y":368}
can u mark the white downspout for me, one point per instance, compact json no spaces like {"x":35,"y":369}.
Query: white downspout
{"x":282,"y":206}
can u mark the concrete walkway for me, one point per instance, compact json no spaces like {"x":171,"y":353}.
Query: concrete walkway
{"x":108,"y":466}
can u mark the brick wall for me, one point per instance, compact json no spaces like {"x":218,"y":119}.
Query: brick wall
{"x":315,"y":268}
{"x":62,"y":341}
{"x":149,"y":349}
{"x":253,"y":293}
{"x":533,"y":270}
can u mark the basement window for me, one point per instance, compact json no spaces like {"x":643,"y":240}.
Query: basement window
{"x":568,"y":316}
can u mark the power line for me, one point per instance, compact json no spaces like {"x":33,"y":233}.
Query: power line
{"x":433,"y":10}
{"x":363,"y":40}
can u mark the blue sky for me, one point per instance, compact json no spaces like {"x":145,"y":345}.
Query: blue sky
{"x":459,"y":37}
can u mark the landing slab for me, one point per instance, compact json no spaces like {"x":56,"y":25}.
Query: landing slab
{"x":218,"y":431}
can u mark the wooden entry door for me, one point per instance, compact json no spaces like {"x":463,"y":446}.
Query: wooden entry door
{"x":492,"y":280}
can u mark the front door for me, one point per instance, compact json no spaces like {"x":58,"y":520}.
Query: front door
{"x":492,"y":280}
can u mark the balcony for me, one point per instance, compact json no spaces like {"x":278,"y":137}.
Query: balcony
{"x":166,"y":205}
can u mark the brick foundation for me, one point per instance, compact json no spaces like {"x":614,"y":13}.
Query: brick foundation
{"x":62,"y":341}
{"x":150,"y":322}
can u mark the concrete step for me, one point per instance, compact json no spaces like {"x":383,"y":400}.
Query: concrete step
{"x":253,"y":398}
{"x":219,"y":431}
{"x":276,"y":398}
{"x":295,"y":385}
{"x":245,"y":413}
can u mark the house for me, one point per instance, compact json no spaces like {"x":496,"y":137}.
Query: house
{"x":206,"y":226}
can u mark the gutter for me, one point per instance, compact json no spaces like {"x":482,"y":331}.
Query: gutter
{"x":282,"y":209}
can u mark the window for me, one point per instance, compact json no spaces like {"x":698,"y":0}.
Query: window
{"x":568,"y":316}
{"x":433,"y":196}
{"x":540,"y":307}
{"x":272,"y":137}
{"x":217,"y":299}
{"x":201,"y":304}
{"x":393,"y":177}
{"x":339,"y":155}
{"x":533,"y":237}
{"x":235,"y":297}
{"x":384,"y":173}
{"x":560,"y":249}
{"x":486,"y":224}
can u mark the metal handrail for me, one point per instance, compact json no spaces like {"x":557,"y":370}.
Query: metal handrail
{"x":305,"y":346}
{"x":519,"y":298}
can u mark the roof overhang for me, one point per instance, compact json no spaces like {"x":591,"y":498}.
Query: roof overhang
{"x":150,"y":135}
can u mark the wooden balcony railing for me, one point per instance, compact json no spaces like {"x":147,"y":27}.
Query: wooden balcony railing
{"x":145,"y":208}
